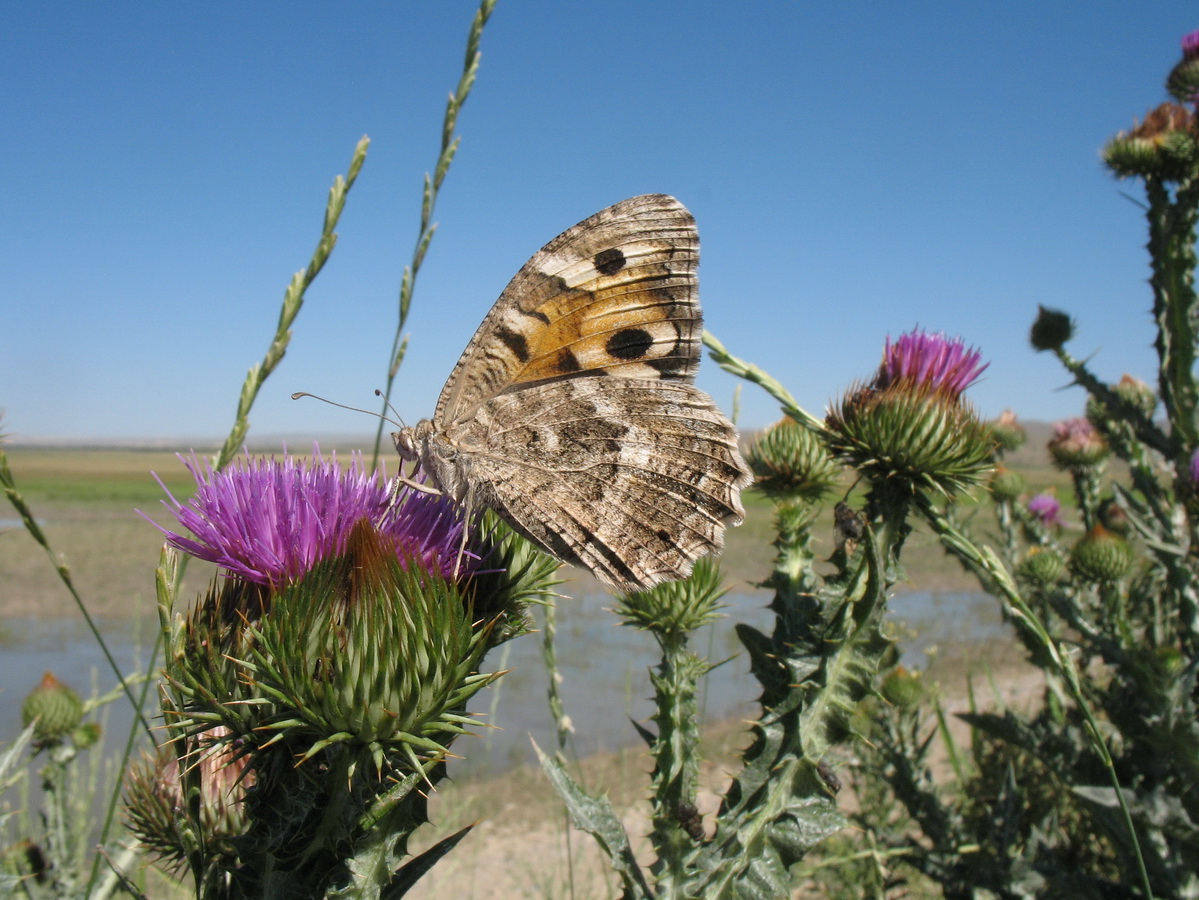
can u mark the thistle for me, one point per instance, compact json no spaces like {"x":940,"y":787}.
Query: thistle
{"x":332,"y":660}
{"x":1101,"y":556}
{"x":1076,"y":445}
{"x":909,"y":426}
{"x":1007,"y":431}
{"x":1046,"y":509}
{"x":55,"y":709}
{"x":269,"y":522}
{"x":1005,"y":484}
{"x":1164,"y":145}
{"x":790,"y":463}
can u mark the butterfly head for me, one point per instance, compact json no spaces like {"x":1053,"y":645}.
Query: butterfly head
{"x":412,"y":441}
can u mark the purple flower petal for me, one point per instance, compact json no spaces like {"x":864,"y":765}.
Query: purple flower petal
{"x":270,"y":521}
{"x":1190,"y":45}
{"x":930,"y":359}
{"x":1046,"y":508}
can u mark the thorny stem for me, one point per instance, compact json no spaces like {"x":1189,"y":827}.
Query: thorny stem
{"x":984,"y":562}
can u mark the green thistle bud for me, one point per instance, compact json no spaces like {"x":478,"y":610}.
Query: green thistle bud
{"x":57,"y":709}
{"x":903,"y":689}
{"x":914,"y":433}
{"x":1137,"y":393}
{"x":1101,"y":557}
{"x":1041,"y":569}
{"x":1163,"y":146}
{"x":1133,"y":392}
{"x":677,"y":607}
{"x":790,"y":463}
{"x":1051,"y":330}
{"x":1006,"y":485}
{"x":1008,"y":433}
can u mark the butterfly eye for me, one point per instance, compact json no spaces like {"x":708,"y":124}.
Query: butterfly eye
{"x":405,"y":444}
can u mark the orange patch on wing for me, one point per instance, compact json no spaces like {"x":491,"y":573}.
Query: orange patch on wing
{"x":582,"y":323}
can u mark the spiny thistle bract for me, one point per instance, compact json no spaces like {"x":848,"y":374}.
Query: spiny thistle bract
{"x":369,"y":652}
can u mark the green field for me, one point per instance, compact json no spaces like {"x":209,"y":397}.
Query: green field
{"x":86,"y":499}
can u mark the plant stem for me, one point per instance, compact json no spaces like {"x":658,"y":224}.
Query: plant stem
{"x":984,"y":561}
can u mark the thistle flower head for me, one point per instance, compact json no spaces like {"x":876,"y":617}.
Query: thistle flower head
{"x":1077,"y":445}
{"x":1163,"y":145}
{"x":1046,"y":508}
{"x":1041,"y":569}
{"x":922,"y":358}
{"x":155,"y":797}
{"x":909,"y":424}
{"x":1005,"y":484}
{"x":1051,"y":330}
{"x":270,"y":521}
{"x":1007,"y":431}
{"x":1193,"y":467}
{"x":1190,"y":45}
{"x":1183,"y":80}
{"x":55,"y":708}
{"x":1101,"y":556}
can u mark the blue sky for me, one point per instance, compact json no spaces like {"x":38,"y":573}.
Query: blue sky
{"x":855,"y":169}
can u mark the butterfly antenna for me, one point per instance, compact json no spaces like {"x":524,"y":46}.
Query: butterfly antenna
{"x":395,"y":412}
{"x":298,"y":394}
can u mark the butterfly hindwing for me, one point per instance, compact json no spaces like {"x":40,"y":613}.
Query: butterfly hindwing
{"x":614,"y":295}
{"x":632,"y":479}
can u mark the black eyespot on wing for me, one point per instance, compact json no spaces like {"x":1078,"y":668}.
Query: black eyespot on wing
{"x":630,"y":343}
{"x":610,"y":261}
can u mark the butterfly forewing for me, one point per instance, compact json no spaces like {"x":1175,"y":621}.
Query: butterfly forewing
{"x":616,"y":294}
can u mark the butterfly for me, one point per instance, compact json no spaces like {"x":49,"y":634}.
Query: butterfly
{"x":572,"y":413}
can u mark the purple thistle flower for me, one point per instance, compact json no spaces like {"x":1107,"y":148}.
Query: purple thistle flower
{"x":1193,"y":467}
{"x":1190,"y":45}
{"x":930,"y":359}
{"x":1046,"y":508}
{"x":269,"y":521}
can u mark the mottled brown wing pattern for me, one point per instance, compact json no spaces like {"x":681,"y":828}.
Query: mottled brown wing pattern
{"x":633,"y":480}
{"x":614,"y":295}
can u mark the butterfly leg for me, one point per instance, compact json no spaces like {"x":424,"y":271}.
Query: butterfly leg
{"x":400,"y":481}
{"x":467,"y":503}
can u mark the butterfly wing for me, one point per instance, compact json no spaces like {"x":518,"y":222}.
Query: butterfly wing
{"x":631,"y":479}
{"x":614,"y":295}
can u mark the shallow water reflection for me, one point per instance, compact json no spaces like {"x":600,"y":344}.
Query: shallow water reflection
{"x":604,"y":667}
